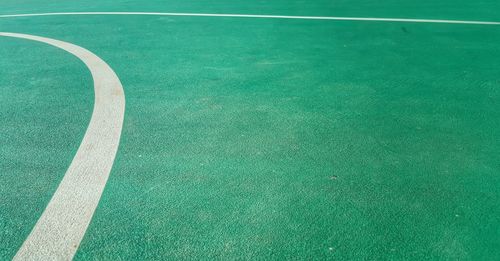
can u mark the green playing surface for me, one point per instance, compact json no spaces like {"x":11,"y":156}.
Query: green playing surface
{"x":263,"y":138}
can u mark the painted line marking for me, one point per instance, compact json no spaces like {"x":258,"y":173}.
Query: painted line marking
{"x":338,"y":18}
{"x":60,"y":229}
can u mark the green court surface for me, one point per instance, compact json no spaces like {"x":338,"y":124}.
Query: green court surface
{"x":263,"y":139}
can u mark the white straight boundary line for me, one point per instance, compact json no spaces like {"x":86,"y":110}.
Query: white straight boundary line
{"x":338,"y":18}
{"x":60,"y":229}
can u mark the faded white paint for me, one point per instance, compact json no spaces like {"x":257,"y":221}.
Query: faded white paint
{"x":58,"y":232}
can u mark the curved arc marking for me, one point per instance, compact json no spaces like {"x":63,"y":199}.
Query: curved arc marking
{"x":338,"y":18}
{"x":59,"y":231}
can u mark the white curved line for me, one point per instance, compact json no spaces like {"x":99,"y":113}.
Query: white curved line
{"x":62,"y":225}
{"x":60,"y":229}
{"x":372,"y":19}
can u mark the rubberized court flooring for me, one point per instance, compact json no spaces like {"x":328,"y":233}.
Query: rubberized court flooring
{"x":256,"y":138}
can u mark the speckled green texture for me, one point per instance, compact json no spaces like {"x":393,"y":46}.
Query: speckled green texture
{"x":45,"y":105}
{"x":272,"y":139}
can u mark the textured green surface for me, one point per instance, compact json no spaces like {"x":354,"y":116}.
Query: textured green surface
{"x":270,"y":139}
{"x":45,"y":106}
{"x":451,"y":9}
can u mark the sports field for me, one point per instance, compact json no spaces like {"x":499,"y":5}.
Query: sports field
{"x":250,"y":130}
